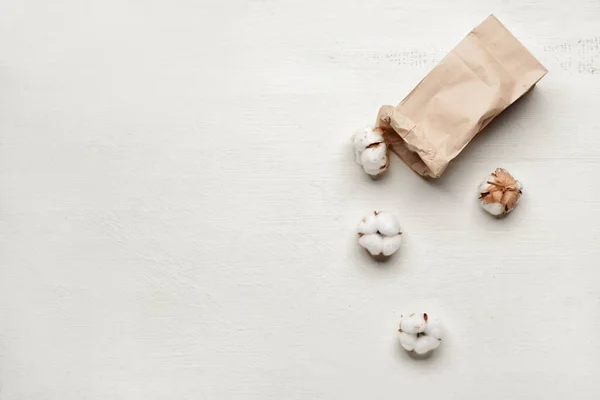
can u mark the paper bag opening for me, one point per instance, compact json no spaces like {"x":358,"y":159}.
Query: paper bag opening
{"x":484,"y":74}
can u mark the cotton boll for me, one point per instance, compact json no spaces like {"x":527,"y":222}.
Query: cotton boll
{"x":364,"y":138}
{"x":419,"y":333}
{"x":425,"y":344}
{"x":374,"y":159}
{"x":387,"y":224}
{"x":391,"y":244}
{"x":407,"y":340}
{"x":368,"y":225}
{"x":499,"y":193}
{"x":380,"y":237}
{"x":370,"y":150}
{"x":373,"y":243}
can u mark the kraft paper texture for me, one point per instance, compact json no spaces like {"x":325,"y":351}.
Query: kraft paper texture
{"x":488,"y":71}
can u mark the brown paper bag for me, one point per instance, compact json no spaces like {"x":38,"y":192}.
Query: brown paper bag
{"x":488,"y":71}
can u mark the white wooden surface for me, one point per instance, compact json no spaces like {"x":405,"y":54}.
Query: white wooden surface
{"x":178,"y":201}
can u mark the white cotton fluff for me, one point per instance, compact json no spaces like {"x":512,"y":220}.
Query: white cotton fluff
{"x":414,"y":323}
{"x":419,"y":333}
{"x":408,"y":340}
{"x":391,"y":244}
{"x":434,"y":328}
{"x":425,"y":344}
{"x":387,"y":224}
{"x":370,"y":150}
{"x":368,"y":225}
{"x":380,"y":234}
{"x":373,"y":243}
{"x":493,"y":208}
{"x":374,"y":159}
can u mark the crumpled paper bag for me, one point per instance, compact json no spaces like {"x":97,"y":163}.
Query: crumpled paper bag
{"x":488,"y":71}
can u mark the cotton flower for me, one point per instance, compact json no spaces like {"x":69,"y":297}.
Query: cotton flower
{"x":499,"y":193}
{"x":418,"y":333}
{"x":380,"y":233}
{"x":370,"y":150}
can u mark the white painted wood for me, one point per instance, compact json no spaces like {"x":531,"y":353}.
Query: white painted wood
{"x":178,"y":201}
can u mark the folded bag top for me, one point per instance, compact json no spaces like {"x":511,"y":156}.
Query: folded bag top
{"x":484,"y":74}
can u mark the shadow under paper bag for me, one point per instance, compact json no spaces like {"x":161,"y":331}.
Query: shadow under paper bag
{"x":483,"y":75}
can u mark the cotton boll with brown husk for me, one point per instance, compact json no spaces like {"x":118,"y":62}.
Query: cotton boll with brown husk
{"x":371,"y":151}
{"x":380,"y":234}
{"x":500,"y":193}
{"x":418,"y":333}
